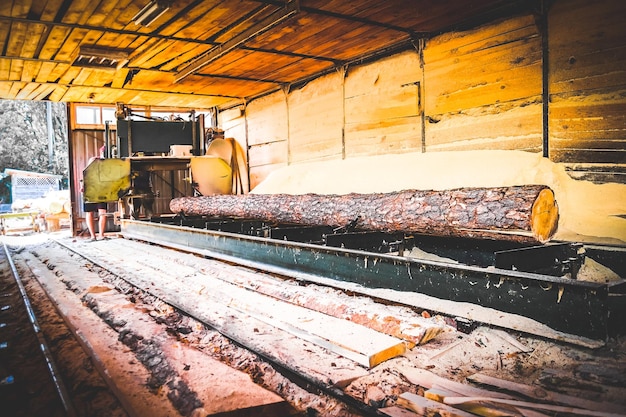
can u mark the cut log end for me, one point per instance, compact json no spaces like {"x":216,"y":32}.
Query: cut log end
{"x":544,"y":216}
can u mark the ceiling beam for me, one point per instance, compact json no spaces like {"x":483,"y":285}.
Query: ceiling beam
{"x":105,"y":30}
{"x":290,"y":8}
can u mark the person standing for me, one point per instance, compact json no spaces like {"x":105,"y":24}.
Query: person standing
{"x":91,"y":208}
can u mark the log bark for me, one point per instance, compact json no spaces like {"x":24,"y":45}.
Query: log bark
{"x":519,"y":213}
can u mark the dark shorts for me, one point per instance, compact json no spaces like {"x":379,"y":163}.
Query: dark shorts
{"x":94,"y":206}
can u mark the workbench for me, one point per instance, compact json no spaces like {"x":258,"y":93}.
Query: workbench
{"x":29,"y":215}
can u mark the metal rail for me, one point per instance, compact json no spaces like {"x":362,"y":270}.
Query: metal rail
{"x":54,"y":373}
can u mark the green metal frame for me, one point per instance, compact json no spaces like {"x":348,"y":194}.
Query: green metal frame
{"x":565,"y":305}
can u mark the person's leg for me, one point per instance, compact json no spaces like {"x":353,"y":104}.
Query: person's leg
{"x":102,"y":222}
{"x":90,"y":223}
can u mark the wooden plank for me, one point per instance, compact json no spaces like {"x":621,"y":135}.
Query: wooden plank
{"x":526,"y":404}
{"x":425,"y":407}
{"x":397,"y":412}
{"x":15,"y":72}
{"x":394,"y":135}
{"x":490,"y":62}
{"x":45,"y":71}
{"x":26,"y":91}
{"x":5,"y":27}
{"x":516,"y":84}
{"x":189,"y":53}
{"x":54,"y":41}
{"x":430,"y":380}
{"x":512,"y":125}
{"x":353,"y":341}
{"x":267,"y":122}
{"x":30,"y":70}
{"x":451,"y":44}
{"x":245,"y":397}
{"x":590,"y":142}
{"x":413,"y":329}
{"x":44,"y":91}
{"x":5,"y":69}
{"x":316,"y":120}
{"x":17,"y":37}
{"x":540,"y":394}
{"x":190,"y":293}
{"x":50,"y":9}
{"x":5,"y":88}
{"x":20,"y":8}
{"x":75,"y":11}
{"x":59,"y":93}
{"x":189,"y":26}
{"x":382,"y":107}
{"x":588,"y":156}
{"x":484,"y":409}
{"x":70,"y":45}
{"x":29,"y":47}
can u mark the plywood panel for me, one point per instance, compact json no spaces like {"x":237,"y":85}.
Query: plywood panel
{"x":316,"y":120}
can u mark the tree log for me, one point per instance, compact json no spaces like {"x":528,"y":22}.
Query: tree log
{"x":522,"y":213}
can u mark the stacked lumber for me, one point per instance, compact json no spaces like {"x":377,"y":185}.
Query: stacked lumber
{"x":443,"y":397}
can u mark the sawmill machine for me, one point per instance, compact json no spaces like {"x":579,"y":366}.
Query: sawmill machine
{"x":152,"y":161}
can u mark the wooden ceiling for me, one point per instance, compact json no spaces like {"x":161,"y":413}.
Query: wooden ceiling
{"x":207,"y":53}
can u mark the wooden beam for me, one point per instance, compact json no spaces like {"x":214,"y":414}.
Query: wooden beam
{"x":291,"y":8}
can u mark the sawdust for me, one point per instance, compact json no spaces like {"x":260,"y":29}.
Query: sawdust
{"x":595,"y":272}
{"x":591,"y":213}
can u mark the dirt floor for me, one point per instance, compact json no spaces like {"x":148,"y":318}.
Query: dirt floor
{"x":159,"y":361}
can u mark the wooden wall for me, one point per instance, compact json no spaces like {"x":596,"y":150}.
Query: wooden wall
{"x":588,"y":87}
{"x":382,"y":106}
{"x":476,"y":89}
{"x":483,"y":88}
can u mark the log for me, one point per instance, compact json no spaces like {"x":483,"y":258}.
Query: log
{"x":526,"y":213}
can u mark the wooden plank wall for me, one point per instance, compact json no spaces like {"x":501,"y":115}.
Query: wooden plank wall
{"x":268,"y":131}
{"x":483,"y":88}
{"x":587,"y":58}
{"x":382,"y":107}
{"x":316,"y":120}
{"x":478,"y":89}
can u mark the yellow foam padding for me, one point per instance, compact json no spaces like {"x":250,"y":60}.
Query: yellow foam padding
{"x":104,"y":178}
{"x":212,"y":174}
